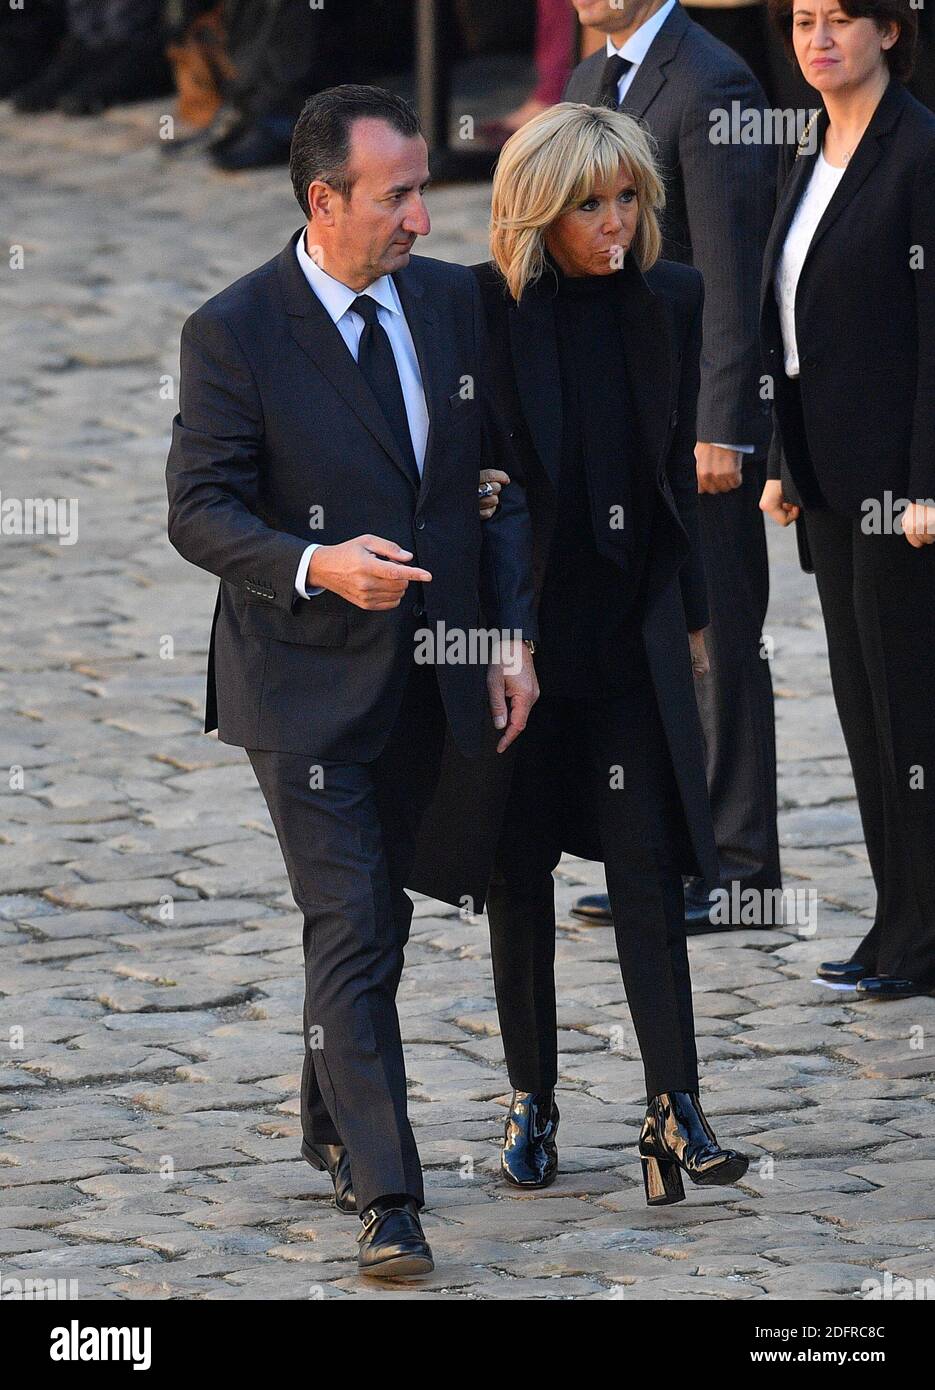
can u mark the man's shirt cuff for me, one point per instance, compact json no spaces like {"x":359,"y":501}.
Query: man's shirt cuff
{"x":302,"y":571}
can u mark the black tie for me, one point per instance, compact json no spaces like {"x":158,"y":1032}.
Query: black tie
{"x":375,"y":359}
{"x":614,"y":69}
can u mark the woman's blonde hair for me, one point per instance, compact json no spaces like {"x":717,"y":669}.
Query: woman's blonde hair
{"x":552,"y":164}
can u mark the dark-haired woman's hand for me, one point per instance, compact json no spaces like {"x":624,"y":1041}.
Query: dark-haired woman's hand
{"x":918,"y":523}
{"x":773,"y":503}
{"x":699,"y":655}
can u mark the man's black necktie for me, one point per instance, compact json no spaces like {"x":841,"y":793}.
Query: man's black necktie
{"x":614,"y":69}
{"x":375,"y":359}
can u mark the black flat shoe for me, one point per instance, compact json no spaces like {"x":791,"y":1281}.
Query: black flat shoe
{"x":888,"y":987}
{"x":843,"y":972}
{"x":333,"y":1159}
{"x":134,"y":70}
{"x":392,"y":1243}
{"x":43,"y":92}
{"x":594,"y":908}
{"x":698,"y":913}
{"x":254,"y":148}
{"x":677,"y":1138}
{"x":529,"y":1157}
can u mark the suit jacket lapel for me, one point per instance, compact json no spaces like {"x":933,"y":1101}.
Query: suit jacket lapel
{"x":318,"y":336}
{"x":651,"y":75}
{"x":536,"y":367}
{"x":792,"y":191}
{"x":863,"y":159}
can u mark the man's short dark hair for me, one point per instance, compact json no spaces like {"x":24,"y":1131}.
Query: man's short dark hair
{"x":321,"y":141}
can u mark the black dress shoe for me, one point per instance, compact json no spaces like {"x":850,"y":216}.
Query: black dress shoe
{"x":888,"y":987}
{"x":594,"y":908}
{"x":677,"y":1138}
{"x":333,"y":1159}
{"x":43,"y":92}
{"x":134,"y":70}
{"x":233,"y":133}
{"x":255,"y":148}
{"x":698,"y":912}
{"x":843,"y":972}
{"x":392,"y":1242}
{"x":529,"y":1157}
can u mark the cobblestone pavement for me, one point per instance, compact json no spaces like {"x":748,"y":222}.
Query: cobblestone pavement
{"x":150,"y":976}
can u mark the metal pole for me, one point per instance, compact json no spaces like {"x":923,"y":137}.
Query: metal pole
{"x":434,"y":34}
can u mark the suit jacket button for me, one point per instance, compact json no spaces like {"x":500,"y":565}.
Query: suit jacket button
{"x":418,"y":610}
{"x":420,"y":523}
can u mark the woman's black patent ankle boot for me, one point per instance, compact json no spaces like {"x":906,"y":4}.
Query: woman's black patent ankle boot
{"x":676,"y":1138}
{"x":529,"y":1157}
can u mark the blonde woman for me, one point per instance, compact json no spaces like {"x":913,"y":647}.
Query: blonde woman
{"x":594,"y":348}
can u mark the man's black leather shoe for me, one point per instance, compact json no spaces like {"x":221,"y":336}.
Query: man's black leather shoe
{"x":698,"y":912}
{"x":130,"y":71}
{"x":43,"y":92}
{"x":529,"y":1157}
{"x":392,"y":1242}
{"x":333,"y":1159}
{"x":594,"y":908}
{"x":255,"y":148}
{"x":843,"y":972}
{"x":888,"y":987}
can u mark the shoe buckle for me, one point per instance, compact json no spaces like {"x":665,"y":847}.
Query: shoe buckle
{"x":369,"y":1218}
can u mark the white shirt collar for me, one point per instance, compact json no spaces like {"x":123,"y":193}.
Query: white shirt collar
{"x":337,"y":297}
{"x":637,"y":45}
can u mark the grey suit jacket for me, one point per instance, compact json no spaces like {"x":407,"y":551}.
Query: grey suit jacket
{"x":719,"y":205}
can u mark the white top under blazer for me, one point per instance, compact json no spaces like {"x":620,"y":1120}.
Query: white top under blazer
{"x":818,"y":194}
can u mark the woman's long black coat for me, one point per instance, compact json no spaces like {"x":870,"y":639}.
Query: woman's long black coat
{"x":661,"y":322}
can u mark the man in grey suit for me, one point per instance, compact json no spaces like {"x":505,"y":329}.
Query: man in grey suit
{"x":665,"y":70}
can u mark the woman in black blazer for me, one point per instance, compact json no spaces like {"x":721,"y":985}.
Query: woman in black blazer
{"x":848,"y":331}
{"x":594,"y":349}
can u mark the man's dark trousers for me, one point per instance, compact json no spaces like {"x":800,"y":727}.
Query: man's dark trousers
{"x":735,"y":698}
{"x":347,"y":833}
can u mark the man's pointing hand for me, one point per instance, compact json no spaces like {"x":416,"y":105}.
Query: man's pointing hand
{"x":368,"y":571}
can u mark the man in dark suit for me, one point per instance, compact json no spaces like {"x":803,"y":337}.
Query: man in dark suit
{"x":662,"y":68}
{"x":333,"y":415}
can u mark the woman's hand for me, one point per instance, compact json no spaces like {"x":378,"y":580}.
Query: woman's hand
{"x":700,"y":664}
{"x":918,"y":523}
{"x":495,"y":480}
{"x":774,"y":504}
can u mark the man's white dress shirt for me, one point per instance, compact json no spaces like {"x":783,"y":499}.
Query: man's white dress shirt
{"x":337,"y":299}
